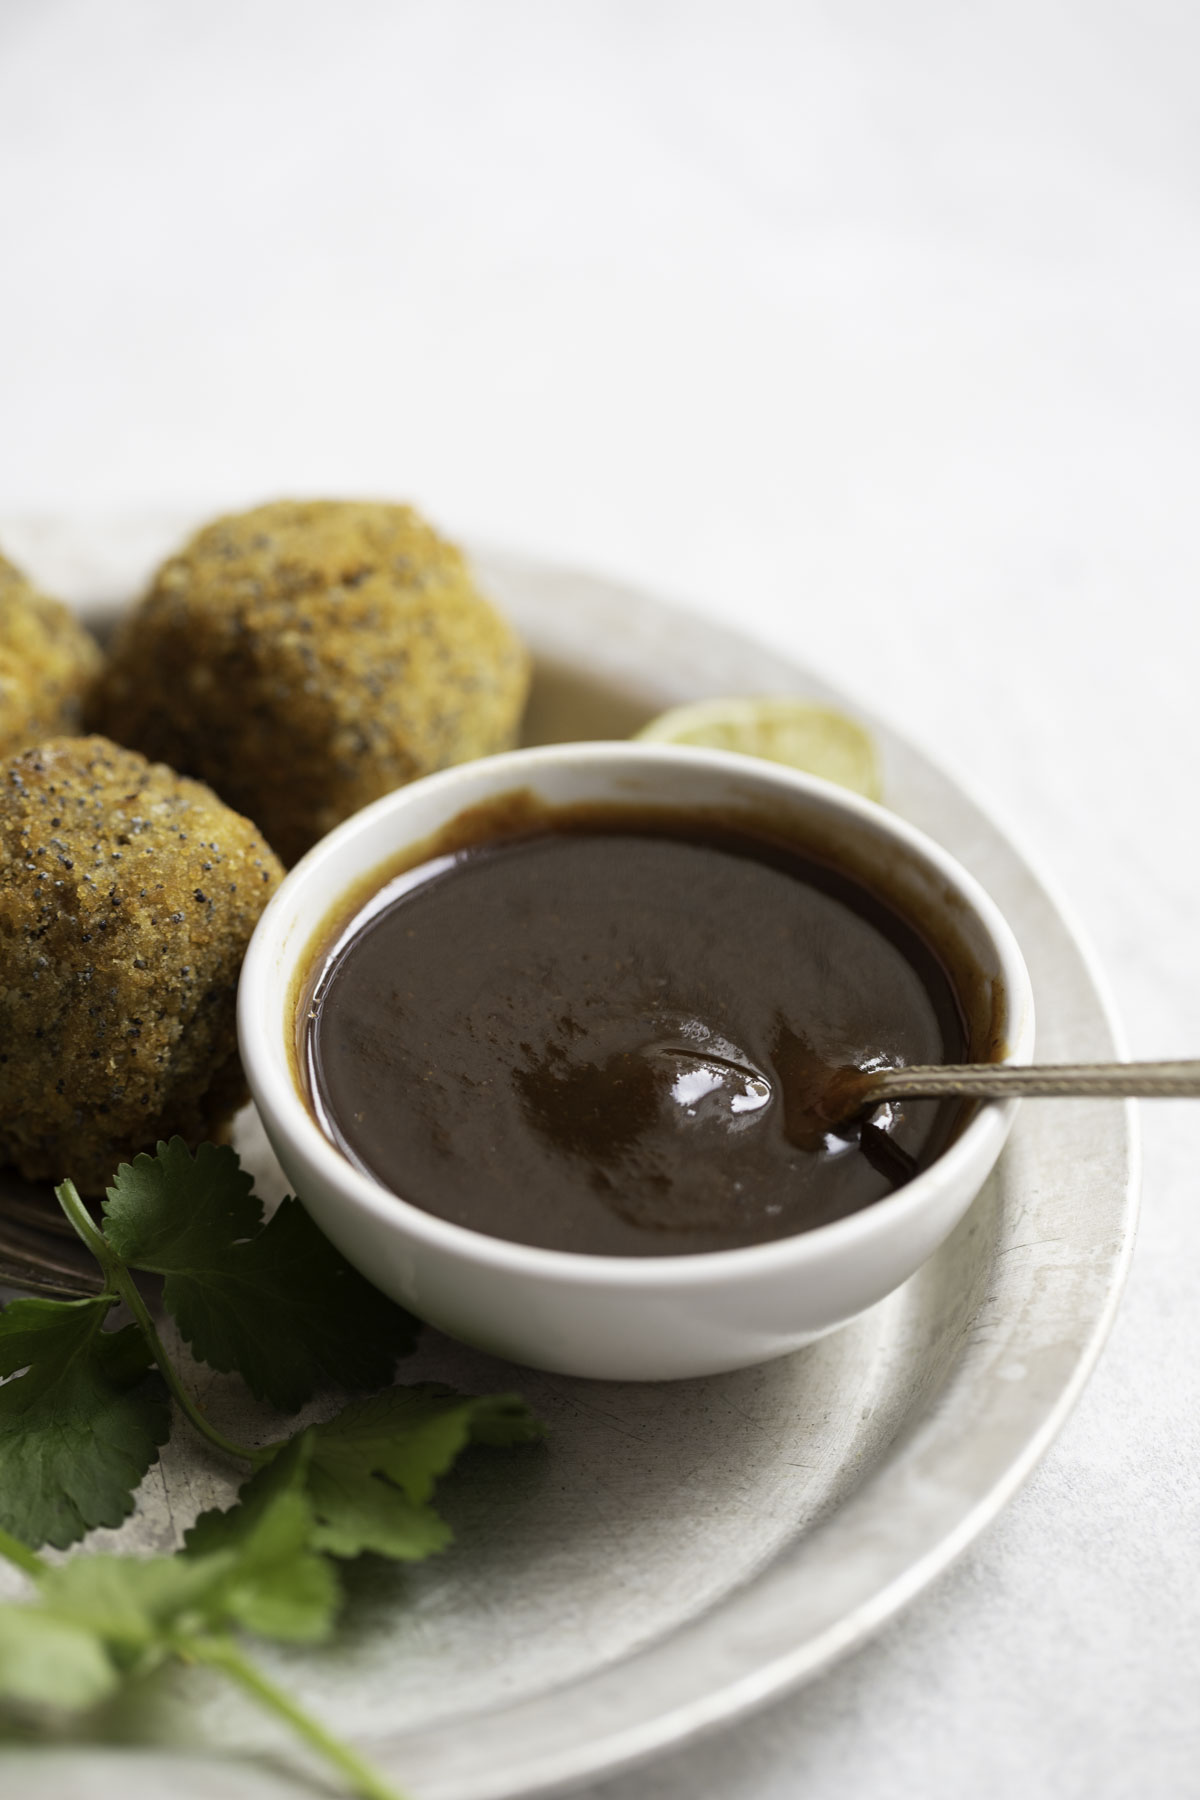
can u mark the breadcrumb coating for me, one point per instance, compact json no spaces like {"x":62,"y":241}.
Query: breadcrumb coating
{"x":306,"y":657}
{"x":127,"y":898}
{"x":47,"y":660}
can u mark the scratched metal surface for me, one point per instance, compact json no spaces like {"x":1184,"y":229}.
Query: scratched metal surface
{"x":677,"y":1553}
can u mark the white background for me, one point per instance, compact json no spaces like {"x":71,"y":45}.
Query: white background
{"x":873,"y":328}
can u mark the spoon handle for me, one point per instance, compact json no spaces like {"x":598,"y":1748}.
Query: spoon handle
{"x":1000,"y":1081}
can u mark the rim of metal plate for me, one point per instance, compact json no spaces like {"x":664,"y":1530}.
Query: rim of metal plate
{"x":1018,"y":1371}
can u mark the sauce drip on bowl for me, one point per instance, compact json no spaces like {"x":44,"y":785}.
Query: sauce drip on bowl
{"x":602,"y":1036}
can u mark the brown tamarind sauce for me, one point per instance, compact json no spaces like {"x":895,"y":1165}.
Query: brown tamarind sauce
{"x":597,"y":1034}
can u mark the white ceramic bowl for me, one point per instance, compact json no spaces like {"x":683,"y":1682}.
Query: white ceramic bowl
{"x":629,"y":1318}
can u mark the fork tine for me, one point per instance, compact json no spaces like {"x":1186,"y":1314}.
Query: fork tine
{"x":29,"y":1277}
{"x":39,"y":1252}
{"x":39,"y":1212}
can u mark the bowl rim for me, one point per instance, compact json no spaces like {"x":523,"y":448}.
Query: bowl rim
{"x":269,"y":1065}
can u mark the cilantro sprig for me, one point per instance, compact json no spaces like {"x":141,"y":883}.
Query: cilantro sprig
{"x":98,"y":1624}
{"x":273,"y":1301}
{"x":85,"y":1408}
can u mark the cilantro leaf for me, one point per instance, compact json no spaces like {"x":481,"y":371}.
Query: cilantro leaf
{"x":274,"y":1302}
{"x":278,"y":1586}
{"x":49,"y":1665}
{"x":171,"y":1206}
{"x":81,"y":1426}
{"x":263,"y":1577}
{"x":98,"y":1619}
{"x":127,"y":1602}
{"x":368,"y":1474}
{"x":34,"y":1331}
{"x":375,"y":1465}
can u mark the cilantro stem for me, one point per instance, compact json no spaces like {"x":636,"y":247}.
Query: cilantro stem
{"x":127,"y":1288}
{"x":78,"y":1216}
{"x":119,"y":1281}
{"x":221,"y":1653}
{"x":25,"y":1559}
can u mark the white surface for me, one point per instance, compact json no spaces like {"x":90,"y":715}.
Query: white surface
{"x":871,"y":327}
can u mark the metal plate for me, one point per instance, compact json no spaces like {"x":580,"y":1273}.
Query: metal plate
{"x":679,"y":1552}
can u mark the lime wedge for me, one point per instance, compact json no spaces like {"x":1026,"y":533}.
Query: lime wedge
{"x":797,"y":732}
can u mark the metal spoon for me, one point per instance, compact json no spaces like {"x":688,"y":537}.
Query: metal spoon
{"x":39,"y":1255}
{"x":850,"y":1091}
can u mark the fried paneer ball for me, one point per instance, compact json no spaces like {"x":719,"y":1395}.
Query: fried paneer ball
{"x":127,"y":898}
{"x":47,"y":659}
{"x":306,"y":657}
